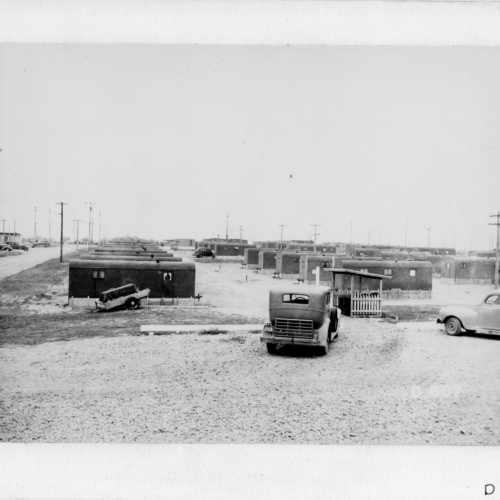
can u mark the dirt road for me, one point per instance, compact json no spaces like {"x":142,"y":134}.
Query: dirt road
{"x":14,"y":264}
{"x":73,"y":376}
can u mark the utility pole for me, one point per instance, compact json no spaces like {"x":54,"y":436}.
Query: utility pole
{"x":50,"y":237}
{"x":90,"y":203}
{"x":241,"y":230}
{"x":315,"y":233}
{"x":406,"y":230}
{"x":281,"y":240}
{"x":62,"y":221}
{"x":428,"y":237}
{"x":15,"y":236}
{"x":3,"y":231}
{"x":35,"y":222}
{"x":99,"y":227}
{"x":497,"y":224}
{"x":227,"y":225}
{"x":77,"y":230}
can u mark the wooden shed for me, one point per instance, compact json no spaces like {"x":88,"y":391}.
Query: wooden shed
{"x":88,"y":278}
{"x":463,"y":270}
{"x":267,"y":260}
{"x":288,"y":263}
{"x":308,"y":264}
{"x":406,"y":275}
{"x":360,"y":300}
{"x":230,"y":249}
{"x":251,"y":257}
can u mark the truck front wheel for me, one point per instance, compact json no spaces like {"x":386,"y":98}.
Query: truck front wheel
{"x":271,"y":348}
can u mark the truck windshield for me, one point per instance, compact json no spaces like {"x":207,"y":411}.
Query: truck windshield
{"x":293,"y":298}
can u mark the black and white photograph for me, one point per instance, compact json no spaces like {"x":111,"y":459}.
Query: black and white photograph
{"x":208,"y":244}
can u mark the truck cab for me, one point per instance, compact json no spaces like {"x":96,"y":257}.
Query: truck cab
{"x":301,"y":315}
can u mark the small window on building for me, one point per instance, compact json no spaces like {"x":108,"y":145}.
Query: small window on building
{"x":388,"y":272}
{"x":364,"y":270}
{"x":236,"y":248}
{"x":98,"y":274}
{"x":293,"y":298}
{"x":447,"y":266}
{"x":167,"y":276}
{"x":413,"y":272}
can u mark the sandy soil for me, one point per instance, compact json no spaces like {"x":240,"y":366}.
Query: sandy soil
{"x":71,"y":376}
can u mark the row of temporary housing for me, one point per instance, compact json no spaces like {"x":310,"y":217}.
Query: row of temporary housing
{"x":351,"y":249}
{"x":294,"y":265}
{"x":165,"y":275}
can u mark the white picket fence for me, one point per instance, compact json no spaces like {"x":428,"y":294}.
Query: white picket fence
{"x":361,"y":303}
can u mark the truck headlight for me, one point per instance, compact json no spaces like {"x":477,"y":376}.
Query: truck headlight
{"x":268,"y":328}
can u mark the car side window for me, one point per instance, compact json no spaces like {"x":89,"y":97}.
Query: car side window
{"x":492,"y":299}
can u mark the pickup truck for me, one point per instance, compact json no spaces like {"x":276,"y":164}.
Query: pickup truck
{"x":128,"y":297}
{"x":483,"y":317}
{"x":301,"y":315}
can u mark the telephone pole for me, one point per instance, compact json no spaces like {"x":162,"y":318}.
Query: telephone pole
{"x":281,"y":240}
{"x":77,"y":230}
{"x":227,"y":225}
{"x":90,"y":203}
{"x":428,"y":237}
{"x":50,"y":238}
{"x":241,"y":231}
{"x":35,"y":223}
{"x":3,"y":231}
{"x":497,"y":224}
{"x":315,"y":233}
{"x":62,"y":221}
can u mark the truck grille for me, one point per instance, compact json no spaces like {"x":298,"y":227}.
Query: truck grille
{"x":294,"y":328}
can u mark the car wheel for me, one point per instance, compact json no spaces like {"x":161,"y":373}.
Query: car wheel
{"x":453,"y":326}
{"x":271,"y":348}
{"x":333,"y":327}
{"x":132,"y":304}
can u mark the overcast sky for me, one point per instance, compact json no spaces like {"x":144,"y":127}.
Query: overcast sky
{"x":167,"y":139}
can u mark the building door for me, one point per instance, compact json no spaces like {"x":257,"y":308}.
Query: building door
{"x":167,"y":289}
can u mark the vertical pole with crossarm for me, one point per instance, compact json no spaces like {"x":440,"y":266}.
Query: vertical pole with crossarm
{"x":497,"y":224}
{"x":62,"y":221}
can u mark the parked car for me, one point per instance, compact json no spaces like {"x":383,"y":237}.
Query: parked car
{"x":18,"y":246}
{"x":41,"y":244}
{"x":301,"y":315}
{"x":203,"y":252}
{"x":483,"y":317}
{"x":5,"y":247}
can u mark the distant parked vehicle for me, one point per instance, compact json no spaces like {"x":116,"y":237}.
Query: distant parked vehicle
{"x":203,"y":252}
{"x":18,"y":246}
{"x":41,"y":244}
{"x":5,"y":247}
{"x":483,"y":317}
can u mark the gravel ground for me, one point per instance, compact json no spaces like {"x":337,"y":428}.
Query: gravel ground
{"x":82,"y":377}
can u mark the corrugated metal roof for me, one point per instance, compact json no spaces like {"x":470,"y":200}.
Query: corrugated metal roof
{"x":126,"y":264}
{"x":351,"y":272}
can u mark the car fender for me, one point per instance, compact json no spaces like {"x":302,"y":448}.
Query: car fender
{"x":467,"y":316}
{"x":323,"y":332}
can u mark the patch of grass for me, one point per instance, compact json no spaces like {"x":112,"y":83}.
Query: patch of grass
{"x":211,"y":331}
